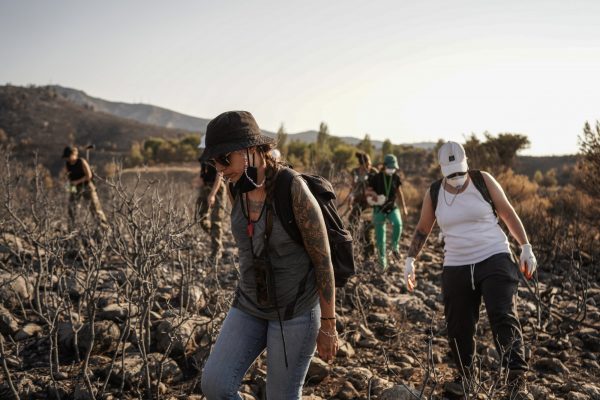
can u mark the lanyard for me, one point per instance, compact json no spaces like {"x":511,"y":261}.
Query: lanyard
{"x":387,"y":184}
{"x":250,"y":226}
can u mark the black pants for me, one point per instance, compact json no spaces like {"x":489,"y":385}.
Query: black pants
{"x":496,"y":280}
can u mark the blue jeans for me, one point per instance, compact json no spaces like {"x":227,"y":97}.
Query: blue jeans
{"x":244,"y":337}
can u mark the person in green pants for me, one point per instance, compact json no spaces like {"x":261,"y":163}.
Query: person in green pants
{"x":385,"y":195}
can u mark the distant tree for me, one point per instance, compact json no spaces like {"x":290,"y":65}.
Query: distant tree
{"x":343,"y":157}
{"x":366,"y":145}
{"x":589,"y":162}
{"x":387,"y":147}
{"x":190,"y":140}
{"x":322,"y":135}
{"x":497,"y":153}
{"x":282,"y":137}
{"x":135,"y":155}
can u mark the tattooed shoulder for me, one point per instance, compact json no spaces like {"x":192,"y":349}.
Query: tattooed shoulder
{"x":314,"y":235}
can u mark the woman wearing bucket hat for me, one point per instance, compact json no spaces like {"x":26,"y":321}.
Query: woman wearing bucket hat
{"x":477,"y":264}
{"x":285,"y":299}
{"x":385,"y":194}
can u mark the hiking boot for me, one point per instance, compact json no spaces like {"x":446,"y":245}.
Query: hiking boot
{"x":516,"y":388}
{"x":456,"y":389}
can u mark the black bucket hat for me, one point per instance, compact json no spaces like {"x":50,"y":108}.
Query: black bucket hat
{"x":231,"y":131}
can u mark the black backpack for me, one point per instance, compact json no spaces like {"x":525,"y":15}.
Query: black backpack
{"x":340,"y":240}
{"x":477,"y":179}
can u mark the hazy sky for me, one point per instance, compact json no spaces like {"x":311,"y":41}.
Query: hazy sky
{"x":405,"y":70}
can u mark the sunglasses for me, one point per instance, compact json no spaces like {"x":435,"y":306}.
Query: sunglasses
{"x":454,"y":175}
{"x":222,"y":159}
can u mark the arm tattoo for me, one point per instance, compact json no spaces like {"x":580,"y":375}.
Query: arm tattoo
{"x":417,"y":243}
{"x":314,"y":235}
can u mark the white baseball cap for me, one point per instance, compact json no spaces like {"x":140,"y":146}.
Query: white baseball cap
{"x":452,"y":158}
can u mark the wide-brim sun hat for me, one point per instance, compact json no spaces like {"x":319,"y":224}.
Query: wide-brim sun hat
{"x":452,"y":158}
{"x":231,"y":131}
{"x":390,"y":161}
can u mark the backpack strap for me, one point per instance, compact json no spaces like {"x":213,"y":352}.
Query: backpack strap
{"x":434,"y":191}
{"x":282,"y":201}
{"x":481,"y":186}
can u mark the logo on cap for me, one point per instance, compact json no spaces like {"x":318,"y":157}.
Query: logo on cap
{"x":451,"y":158}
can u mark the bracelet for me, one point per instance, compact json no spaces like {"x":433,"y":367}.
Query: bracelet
{"x":328,"y":319}
{"x":329,"y":334}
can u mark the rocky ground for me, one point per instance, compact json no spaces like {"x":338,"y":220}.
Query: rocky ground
{"x":132,"y":312}
{"x":393,"y":342}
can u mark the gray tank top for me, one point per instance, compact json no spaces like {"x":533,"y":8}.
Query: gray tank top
{"x":295,"y":282}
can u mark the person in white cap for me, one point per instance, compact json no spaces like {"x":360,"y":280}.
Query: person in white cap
{"x":478,"y":264}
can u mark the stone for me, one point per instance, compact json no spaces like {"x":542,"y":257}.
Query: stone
{"x":106,"y":337}
{"x":345,"y":349}
{"x":180,"y":337}
{"x":317,"y":371}
{"x":28,"y":331}
{"x":117,"y":312}
{"x":9,"y":325}
{"x":359,"y":377}
{"x":347,"y":392}
{"x":399,"y":392}
{"x":378,"y":385}
{"x":552,"y":365}
{"x":15,"y":290}
{"x":191,"y":298}
{"x":133,"y":364}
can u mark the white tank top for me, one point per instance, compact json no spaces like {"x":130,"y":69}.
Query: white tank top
{"x":471,"y":231}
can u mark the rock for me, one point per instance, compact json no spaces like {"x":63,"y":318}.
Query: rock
{"x":117,"y":312}
{"x":577,"y":396}
{"x":317,"y":371}
{"x":359,"y":377}
{"x":106,"y":337}
{"x":9,"y":325}
{"x":181,"y":337}
{"x":167,"y":368}
{"x":191,"y":298}
{"x":552,"y":365}
{"x":81,"y":392}
{"x":378,"y":385}
{"x":345,"y":349}
{"x":28,"y":331}
{"x":591,"y":365}
{"x":539,"y":391}
{"x":347,"y":392}
{"x":377,"y":317}
{"x":399,"y":392}
{"x":405,"y":358}
{"x":368,"y":343}
{"x":590,"y":390}
{"x":15,"y":290}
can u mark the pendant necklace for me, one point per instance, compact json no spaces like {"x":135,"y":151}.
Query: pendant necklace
{"x":453,"y":198}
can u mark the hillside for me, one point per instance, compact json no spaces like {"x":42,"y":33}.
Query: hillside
{"x":144,"y":113}
{"x":153,"y":115}
{"x":36,"y":119}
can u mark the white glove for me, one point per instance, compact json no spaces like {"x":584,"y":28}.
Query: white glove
{"x":527,"y":261}
{"x":409,"y":273}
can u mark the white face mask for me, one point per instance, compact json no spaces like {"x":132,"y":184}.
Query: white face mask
{"x":390,"y":171}
{"x":457,"y":181}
